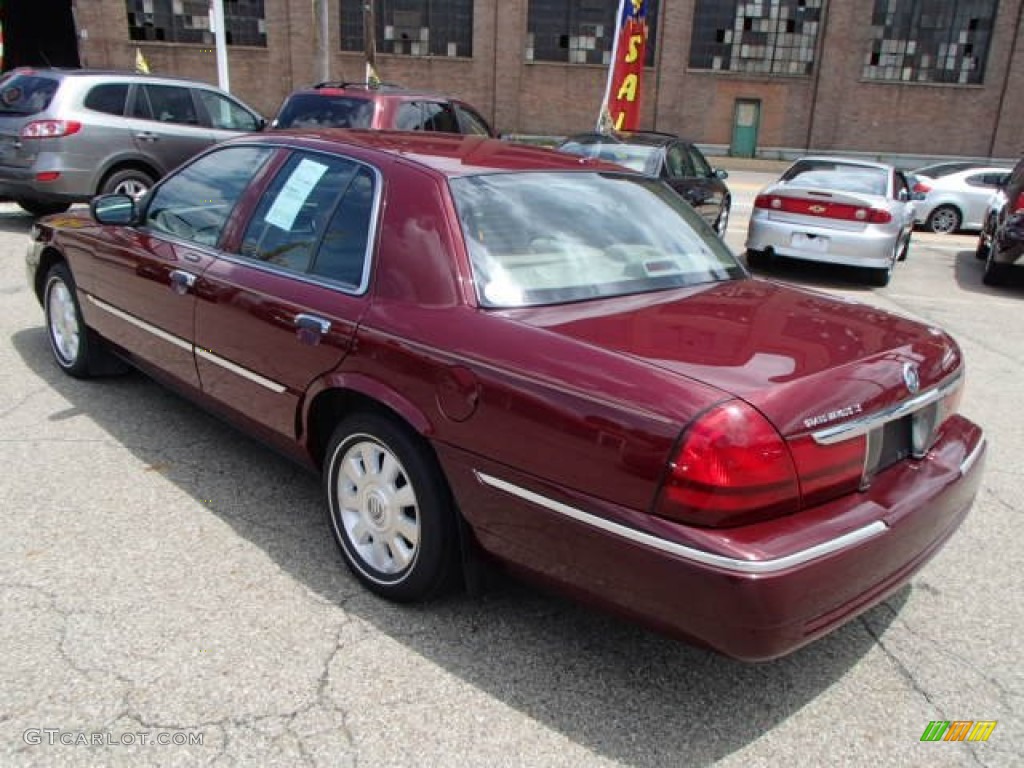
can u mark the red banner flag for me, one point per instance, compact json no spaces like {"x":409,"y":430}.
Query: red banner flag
{"x":621,"y":108}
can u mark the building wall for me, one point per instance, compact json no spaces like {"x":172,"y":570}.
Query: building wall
{"x":833,"y":108}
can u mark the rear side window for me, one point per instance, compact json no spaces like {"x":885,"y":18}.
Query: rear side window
{"x":165,"y":104}
{"x":343,"y":254}
{"x":26,"y":94}
{"x":109,"y":98}
{"x":294,"y":211}
{"x":310,"y":110}
{"x":426,"y":116}
{"x":471,"y":123}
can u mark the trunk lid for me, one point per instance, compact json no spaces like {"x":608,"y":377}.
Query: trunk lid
{"x":806,"y":360}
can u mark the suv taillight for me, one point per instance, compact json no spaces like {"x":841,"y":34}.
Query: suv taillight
{"x":1018,"y":204}
{"x":731,"y":467}
{"x":50,"y":129}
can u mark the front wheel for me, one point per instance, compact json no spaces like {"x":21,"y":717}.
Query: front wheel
{"x":995,"y":272}
{"x":389,"y":508}
{"x":69,"y":338}
{"x":722,"y":225}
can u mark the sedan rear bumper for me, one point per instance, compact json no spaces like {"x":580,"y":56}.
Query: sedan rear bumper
{"x":869,"y":247}
{"x":754,"y":593}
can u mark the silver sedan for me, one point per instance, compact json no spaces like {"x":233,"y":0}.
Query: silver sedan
{"x":957,"y":200}
{"x":834,"y":210}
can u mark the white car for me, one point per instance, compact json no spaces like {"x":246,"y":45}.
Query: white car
{"x":835,"y":210}
{"x":957,"y":200}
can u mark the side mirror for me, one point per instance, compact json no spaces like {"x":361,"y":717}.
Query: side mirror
{"x":720,"y":173}
{"x":114,"y":209}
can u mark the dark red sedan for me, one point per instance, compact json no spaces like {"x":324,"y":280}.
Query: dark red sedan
{"x":498,"y":352}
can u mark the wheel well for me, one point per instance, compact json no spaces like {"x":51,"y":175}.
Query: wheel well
{"x":330,"y":407}
{"x":48,"y":258}
{"x":135,"y":165}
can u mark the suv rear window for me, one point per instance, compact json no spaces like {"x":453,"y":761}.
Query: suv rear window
{"x":26,"y":94}
{"x":314,"y":110}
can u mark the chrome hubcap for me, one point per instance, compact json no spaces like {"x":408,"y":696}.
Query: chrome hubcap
{"x":63,"y":322}
{"x":723,"y":222}
{"x":377,"y":507}
{"x":131,"y":187}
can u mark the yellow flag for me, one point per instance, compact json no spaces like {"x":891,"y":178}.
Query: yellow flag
{"x":140,"y":62}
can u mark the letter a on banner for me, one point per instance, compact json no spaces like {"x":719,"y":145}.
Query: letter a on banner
{"x":620,"y":110}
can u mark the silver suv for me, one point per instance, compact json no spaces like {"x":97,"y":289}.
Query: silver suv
{"x":67,"y":135}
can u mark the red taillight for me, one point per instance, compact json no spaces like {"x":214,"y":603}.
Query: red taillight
{"x":827,"y":471}
{"x":732,"y":467}
{"x":50,"y":129}
{"x":47,"y":175}
{"x":823,"y":209}
{"x":1018,"y":204}
{"x":921,"y":188}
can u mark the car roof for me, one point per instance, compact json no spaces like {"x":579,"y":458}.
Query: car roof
{"x":104,"y":73}
{"x":647,"y":138}
{"x":845,"y":161}
{"x":451,"y":155}
{"x":361,"y":90}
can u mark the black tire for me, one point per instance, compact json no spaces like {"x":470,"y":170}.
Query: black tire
{"x":944,"y":220}
{"x":758,"y":259}
{"x":905,"y":250}
{"x":880,"y":277}
{"x":74,"y":348}
{"x":995,"y":274}
{"x":39,"y":208}
{"x":127,"y":181}
{"x":722,"y":223}
{"x":395,"y":492}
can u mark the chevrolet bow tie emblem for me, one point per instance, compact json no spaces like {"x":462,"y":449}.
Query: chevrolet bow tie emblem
{"x":911,"y":378}
{"x":817,"y":209}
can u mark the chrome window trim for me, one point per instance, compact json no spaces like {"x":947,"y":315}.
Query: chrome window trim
{"x":858,"y":427}
{"x":736,"y":565}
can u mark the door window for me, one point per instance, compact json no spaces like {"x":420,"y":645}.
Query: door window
{"x":225,"y":114}
{"x":294,"y":211}
{"x":109,"y":98}
{"x":700,"y":164}
{"x":677,"y":162}
{"x":165,"y":104}
{"x":426,"y":116}
{"x":195,"y":203}
{"x":344,"y":254}
{"x":470,"y":122}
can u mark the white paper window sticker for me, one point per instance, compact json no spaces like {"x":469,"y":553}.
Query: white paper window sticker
{"x":294,"y":194}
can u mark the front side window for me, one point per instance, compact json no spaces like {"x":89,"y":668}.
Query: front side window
{"x":412,"y":27}
{"x":930,"y":41}
{"x":426,"y":116}
{"x":770,"y":37}
{"x":470,"y":122}
{"x":195,"y":203}
{"x":580,"y":31}
{"x":225,"y":114}
{"x":553,"y":237}
{"x":188,"y":21}
{"x":699,"y":162}
{"x":293,"y":212}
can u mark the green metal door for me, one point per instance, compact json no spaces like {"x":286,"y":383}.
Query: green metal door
{"x":746,"y":118}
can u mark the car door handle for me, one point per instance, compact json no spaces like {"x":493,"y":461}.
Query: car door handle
{"x":182,"y":281}
{"x":146,"y":136}
{"x":310,"y":329}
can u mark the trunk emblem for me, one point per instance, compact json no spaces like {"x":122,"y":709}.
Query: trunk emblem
{"x":911,"y":378}
{"x":818,"y":209}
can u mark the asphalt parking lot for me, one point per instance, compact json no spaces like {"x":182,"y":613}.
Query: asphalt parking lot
{"x":165,"y":579}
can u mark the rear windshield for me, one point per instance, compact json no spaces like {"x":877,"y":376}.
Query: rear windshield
{"x":24,"y":94}
{"x":310,"y":110}
{"x":845,"y":177}
{"x":638,"y":158}
{"x":553,"y":237}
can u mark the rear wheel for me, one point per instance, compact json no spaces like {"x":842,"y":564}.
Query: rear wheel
{"x":995,"y":272}
{"x":944,"y":220}
{"x":128,"y":181}
{"x":390,"y":509}
{"x":39,"y":208}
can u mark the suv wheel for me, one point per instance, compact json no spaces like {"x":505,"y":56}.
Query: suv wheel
{"x":128,"y":181}
{"x":39,"y":208}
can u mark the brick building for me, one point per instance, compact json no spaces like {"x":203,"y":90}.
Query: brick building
{"x":928,"y":77}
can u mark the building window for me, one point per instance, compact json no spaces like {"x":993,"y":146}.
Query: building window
{"x":772,"y":37}
{"x":580,"y":31}
{"x":930,"y":41}
{"x":412,"y":27}
{"x":188,"y":21}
